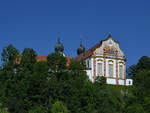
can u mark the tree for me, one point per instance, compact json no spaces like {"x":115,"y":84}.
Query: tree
{"x":59,"y":107}
{"x":28,"y":58}
{"x":56,"y":61}
{"x":53,"y":87}
{"x":75,"y":65}
{"x":147,"y":104}
{"x":16,"y":105}
{"x":131,"y":71}
{"x":141,"y":81}
{"x":100,"y":80}
{"x":135,"y":108}
{"x":143,"y":63}
{"x":3,"y":110}
{"x":37,"y":109}
{"x":37,"y":83}
{"x":141,"y":88}
{"x":9,"y":54}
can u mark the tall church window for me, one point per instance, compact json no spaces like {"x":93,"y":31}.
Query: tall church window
{"x":111,"y":70}
{"x":120,"y":71}
{"x":88,"y":63}
{"x":99,"y":66}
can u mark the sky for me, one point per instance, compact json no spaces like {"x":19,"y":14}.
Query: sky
{"x":36,"y":23}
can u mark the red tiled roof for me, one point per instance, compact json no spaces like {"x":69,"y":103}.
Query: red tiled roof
{"x":68,"y":60}
{"x":42,"y":58}
{"x":88,"y":53}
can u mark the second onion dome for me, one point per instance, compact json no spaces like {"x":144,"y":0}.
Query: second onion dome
{"x":59,"y":46}
{"x":81,"y":48}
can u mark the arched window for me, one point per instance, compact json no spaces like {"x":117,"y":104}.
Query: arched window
{"x":88,"y":63}
{"x":100,"y":71}
{"x":111,"y":70}
{"x":129,"y":82}
{"x":120,"y":71}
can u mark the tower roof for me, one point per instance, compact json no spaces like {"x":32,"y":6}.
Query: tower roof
{"x":81,"y":48}
{"x":59,"y":46}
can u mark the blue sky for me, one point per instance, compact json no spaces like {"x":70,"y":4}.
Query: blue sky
{"x":36,"y":23}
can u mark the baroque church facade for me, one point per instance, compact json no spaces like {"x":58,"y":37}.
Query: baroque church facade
{"x":104,"y":59}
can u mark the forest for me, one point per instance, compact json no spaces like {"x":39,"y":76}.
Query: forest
{"x":29,"y":86}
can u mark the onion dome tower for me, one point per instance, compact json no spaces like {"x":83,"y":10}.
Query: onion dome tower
{"x":59,"y":46}
{"x":81,"y":48}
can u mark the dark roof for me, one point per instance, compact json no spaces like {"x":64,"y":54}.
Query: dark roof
{"x":59,"y":46}
{"x":80,"y":49}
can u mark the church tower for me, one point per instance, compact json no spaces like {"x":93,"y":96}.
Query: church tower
{"x":81,"y":48}
{"x":59,"y":46}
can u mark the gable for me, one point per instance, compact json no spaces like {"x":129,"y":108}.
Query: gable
{"x":109,"y":47}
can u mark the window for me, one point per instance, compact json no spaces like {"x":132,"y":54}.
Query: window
{"x":100,"y":69}
{"x":111,"y":51}
{"x":129,"y":82}
{"x":121,"y":71}
{"x":88,"y":63}
{"x":111,"y":70}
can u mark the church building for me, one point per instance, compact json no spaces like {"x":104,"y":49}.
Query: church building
{"x":105,"y":59}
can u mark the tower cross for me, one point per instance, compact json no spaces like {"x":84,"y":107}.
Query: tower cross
{"x":58,"y":37}
{"x":81,"y":38}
